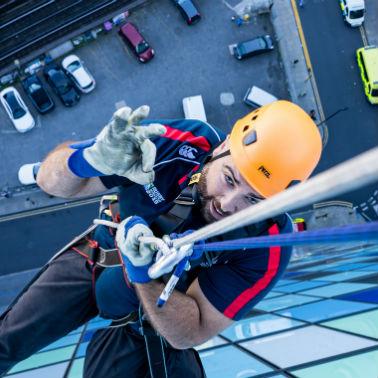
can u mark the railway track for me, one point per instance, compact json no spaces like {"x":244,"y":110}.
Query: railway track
{"x":27,"y":25}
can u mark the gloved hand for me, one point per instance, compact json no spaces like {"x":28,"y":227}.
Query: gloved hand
{"x":137,"y":256}
{"x":122,"y":148}
{"x":166,"y":263}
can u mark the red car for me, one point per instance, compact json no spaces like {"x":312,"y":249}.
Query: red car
{"x":137,"y":43}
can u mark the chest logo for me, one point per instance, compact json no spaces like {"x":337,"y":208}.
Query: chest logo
{"x":153,"y":192}
{"x":188,"y":152}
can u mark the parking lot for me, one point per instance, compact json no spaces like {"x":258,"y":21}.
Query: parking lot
{"x":189,"y":61}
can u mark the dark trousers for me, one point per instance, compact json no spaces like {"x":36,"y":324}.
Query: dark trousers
{"x":121,"y":353}
{"x":60,"y":299}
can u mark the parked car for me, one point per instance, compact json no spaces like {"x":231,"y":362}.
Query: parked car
{"x":38,"y":94}
{"x":188,"y":10}
{"x":353,"y":11}
{"x":257,"y":97}
{"x":253,"y":47}
{"x":136,"y":42}
{"x":367,"y":60}
{"x":61,"y":84}
{"x":27,"y":174}
{"x":17,"y":111}
{"x":79,"y":74}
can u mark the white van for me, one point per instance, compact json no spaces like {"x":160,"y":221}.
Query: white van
{"x":353,"y":11}
{"x":193,"y":108}
{"x":257,"y":97}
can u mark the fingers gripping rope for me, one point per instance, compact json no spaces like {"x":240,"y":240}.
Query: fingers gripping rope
{"x":167,"y":257}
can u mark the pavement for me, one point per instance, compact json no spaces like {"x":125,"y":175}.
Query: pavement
{"x":371,"y":22}
{"x":286,"y":74}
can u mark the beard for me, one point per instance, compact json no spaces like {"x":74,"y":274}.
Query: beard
{"x":204,"y":196}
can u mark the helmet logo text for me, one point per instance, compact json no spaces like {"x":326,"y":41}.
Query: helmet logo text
{"x":264,"y":171}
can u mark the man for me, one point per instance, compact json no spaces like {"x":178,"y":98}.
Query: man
{"x":153,"y":163}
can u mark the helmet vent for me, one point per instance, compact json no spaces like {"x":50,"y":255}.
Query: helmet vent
{"x":254,"y":117}
{"x":250,"y":138}
{"x":245,"y":128}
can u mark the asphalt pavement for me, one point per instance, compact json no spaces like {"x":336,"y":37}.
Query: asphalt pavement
{"x":332,"y":45}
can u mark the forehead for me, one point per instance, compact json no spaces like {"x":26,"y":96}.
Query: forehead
{"x":225,"y":165}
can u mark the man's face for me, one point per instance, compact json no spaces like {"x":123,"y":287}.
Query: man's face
{"x":222,"y":189}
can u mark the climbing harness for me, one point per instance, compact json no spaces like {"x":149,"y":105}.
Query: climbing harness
{"x":155,"y":347}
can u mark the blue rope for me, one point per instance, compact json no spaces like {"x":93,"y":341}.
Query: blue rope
{"x":366,"y":231}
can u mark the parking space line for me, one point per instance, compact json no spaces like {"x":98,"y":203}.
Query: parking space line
{"x":231,"y":48}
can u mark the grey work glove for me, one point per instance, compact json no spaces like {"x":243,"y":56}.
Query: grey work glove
{"x":123,"y":148}
{"x":127,"y":239}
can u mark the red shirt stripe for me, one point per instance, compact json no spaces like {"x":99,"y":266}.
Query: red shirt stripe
{"x":273,"y":264}
{"x":187,"y":136}
{"x":184,"y":178}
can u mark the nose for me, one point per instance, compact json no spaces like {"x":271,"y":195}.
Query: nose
{"x":229,"y":203}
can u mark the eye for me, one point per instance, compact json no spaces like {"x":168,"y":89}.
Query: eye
{"x":252,"y":200}
{"x":229,"y":180}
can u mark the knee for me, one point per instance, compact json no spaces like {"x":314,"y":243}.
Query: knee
{"x":115,"y":299}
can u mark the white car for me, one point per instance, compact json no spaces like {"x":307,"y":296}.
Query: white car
{"x":17,"y":111}
{"x":80,"y":75}
{"x":27,"y":174}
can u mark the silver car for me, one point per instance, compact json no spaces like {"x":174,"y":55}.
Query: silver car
{"x":16,"y":109}
{"x":80,"y":75}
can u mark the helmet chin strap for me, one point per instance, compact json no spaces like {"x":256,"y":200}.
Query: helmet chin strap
{"x":223,"y":154}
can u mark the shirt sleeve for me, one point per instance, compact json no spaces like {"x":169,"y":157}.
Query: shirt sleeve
{"x":114,"y":180}
{"x":235,"y":286}
{"x":188,"y":141}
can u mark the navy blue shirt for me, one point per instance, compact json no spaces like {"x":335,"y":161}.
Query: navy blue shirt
{"x":233,"y":282}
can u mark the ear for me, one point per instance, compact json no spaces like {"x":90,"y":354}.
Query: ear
{"x":222,"y":147}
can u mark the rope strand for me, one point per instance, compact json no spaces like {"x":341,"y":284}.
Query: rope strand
{"x":366,"y":231}
{"x":350,"y":175}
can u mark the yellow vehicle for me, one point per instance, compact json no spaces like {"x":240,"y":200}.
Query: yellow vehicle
{"x":367,"y":58}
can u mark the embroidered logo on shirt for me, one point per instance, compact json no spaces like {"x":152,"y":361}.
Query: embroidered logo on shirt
{"x":154,"y":193}
{"x":188,"y":152}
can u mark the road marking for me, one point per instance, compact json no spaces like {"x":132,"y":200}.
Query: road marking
{"x":227,"y":98}
{"x":9,"y":132}
{"x":231,"y":48}
{"x":311,"y":72}
{"x":363,"y":35}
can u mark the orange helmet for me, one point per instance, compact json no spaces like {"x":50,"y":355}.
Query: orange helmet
{"x":275,"y":146}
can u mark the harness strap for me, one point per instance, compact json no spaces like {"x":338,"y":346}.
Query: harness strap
{"x":155,"y":348}
{"x":166,"y":223}
{"x":98,"y":255}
